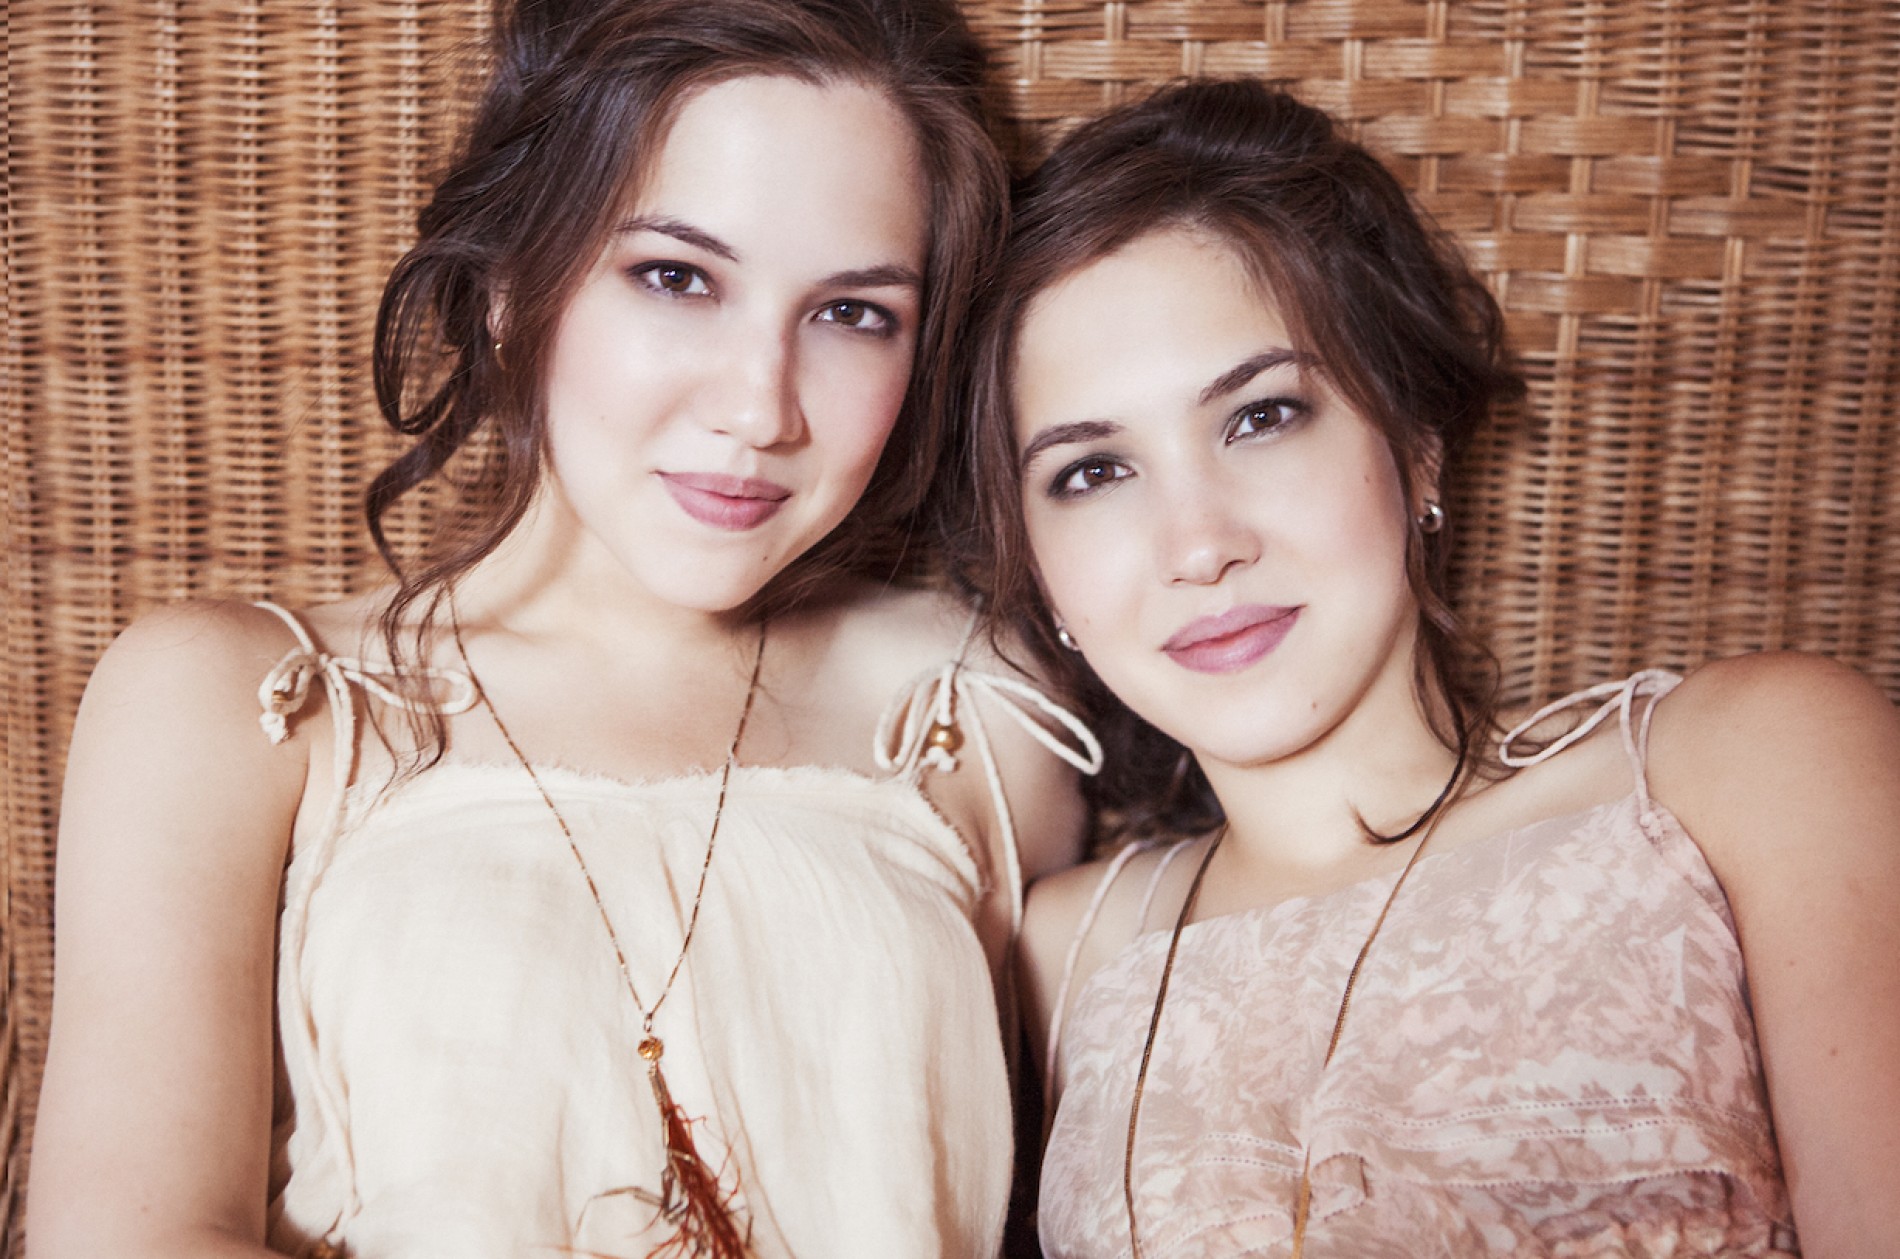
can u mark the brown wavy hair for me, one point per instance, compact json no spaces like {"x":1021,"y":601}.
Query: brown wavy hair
{"x":578,"y":103}
{"x":1379,"y":299}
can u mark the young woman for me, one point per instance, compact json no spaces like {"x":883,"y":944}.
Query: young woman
{"x":586,"y":919}
{"x":1397,"y":988}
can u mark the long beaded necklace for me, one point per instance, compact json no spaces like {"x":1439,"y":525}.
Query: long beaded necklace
{"x":691,"y":1198}
{"x":1303,"y":1200}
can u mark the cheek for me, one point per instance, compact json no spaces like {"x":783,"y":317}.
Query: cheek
{"x":600,"y":379}
{"x":852,"y":404}
{"x":1348,"y":504}
{"x":1078,"y":577}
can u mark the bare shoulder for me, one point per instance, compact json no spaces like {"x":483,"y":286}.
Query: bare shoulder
{"x":1774,"y":713}
{"x":1117,"y":890}
{"x":191,"y":658}
{"x":867,"y":651}
{"x":177,"y":693}
{"x":1090,"y":911}
{"x":174,"y":829}
{"x":1771,"y":735}
{"x":894,"y":632}
{"x":848,"y":655}
{"x":1774,"y":688}
{"x":350,"y":626}
{"x":1786,"y":770}
{"x":1052,"y":923}
{"x":1058,"y":903}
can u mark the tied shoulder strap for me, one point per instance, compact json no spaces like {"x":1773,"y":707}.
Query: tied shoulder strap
{"x":283,"y":693}
{"x":1610,"y":697}
{"x":923,"y":728}
{"x":286,"y":688}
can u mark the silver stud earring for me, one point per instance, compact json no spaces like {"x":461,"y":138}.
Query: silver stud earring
{"x":1432,"y":519}
{"x":1065,"y":638}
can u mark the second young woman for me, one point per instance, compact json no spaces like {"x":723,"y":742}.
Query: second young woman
{"x":613,"y":935}
{"x":1397,"y":988}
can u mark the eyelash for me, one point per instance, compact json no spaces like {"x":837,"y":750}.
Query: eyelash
{"x":884,"y":326}
{"x":1059,"y":487}
{"x":647,"y":274}
{"x":1284,"y":413}
{"x":1290,"y":411}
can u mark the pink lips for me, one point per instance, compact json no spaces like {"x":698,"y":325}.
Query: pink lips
{"x":1231,"y":640}
{"x":725,"y":502}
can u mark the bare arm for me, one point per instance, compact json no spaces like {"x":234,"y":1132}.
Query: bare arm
{"x":154,"y":1124}
{"x":1787,"y":770}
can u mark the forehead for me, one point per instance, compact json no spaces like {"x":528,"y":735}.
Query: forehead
{"x":1149,"y":325}
{"x":830,"y":169}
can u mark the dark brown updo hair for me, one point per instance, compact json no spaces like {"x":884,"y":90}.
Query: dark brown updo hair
{"x":577,"y":105}
{"x":1383,"y":303}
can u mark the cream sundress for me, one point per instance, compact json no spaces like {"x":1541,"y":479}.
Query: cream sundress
{"x":458,"y":1075}
{"x":1550,"y":1052}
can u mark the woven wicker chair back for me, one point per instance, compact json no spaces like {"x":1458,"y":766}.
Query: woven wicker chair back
{"x":1690,"y":210}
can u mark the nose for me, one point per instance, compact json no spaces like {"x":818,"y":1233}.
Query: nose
{"x":758,"y":400}
{"x":1203,"y":539}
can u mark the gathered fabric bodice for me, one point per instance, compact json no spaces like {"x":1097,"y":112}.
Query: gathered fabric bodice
{"x":1549,"y":1052}
{"x":458,"y":1046}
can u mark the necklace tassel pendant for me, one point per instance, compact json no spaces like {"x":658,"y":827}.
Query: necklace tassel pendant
{"x":691,"y":1197}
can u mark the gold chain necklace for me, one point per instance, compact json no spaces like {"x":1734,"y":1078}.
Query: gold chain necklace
{"x":691,"y":1198}
{"x":1303,"y":1201}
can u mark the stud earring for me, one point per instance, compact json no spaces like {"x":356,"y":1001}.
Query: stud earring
{"x":1065,"y":638}
{"x":1432,"y":519}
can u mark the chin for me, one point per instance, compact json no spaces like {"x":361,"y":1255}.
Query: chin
{"x":703,"y":588}
{"x":1249,"y":734}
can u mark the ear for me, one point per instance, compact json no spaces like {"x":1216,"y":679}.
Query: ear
{"x":1428,"y":468}
{"x":1050,"y":615}
{"x":498,"y":316}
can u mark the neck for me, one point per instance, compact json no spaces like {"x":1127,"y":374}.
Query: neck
{"x":550,"y":581}
{"x":1379,"y":767}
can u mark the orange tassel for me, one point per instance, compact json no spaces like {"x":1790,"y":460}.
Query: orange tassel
{"x":691,"y":1197}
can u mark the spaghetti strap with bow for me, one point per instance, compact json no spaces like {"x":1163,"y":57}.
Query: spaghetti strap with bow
{"x":459,"y":1078}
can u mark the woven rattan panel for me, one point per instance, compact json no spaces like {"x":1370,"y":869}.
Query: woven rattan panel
{"x":203,"y":201}
{"x":1691,"y":210}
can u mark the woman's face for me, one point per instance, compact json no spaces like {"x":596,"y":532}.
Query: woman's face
{"x":723,"y":380}
{"x":1222,"y":535}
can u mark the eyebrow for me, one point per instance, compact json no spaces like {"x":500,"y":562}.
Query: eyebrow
{"x":680,"y":231}
{"x":1067,"y":434}
{"x":1247,"y":369}
{"x":888,"y":276}
{"x":1095,"y":430}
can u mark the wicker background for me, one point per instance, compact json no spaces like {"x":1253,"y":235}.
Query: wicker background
{"x":1691,"y":209}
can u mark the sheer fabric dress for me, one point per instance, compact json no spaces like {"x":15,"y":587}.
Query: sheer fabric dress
{"x":458,"y":1074}
{"x":1549,"y":1052}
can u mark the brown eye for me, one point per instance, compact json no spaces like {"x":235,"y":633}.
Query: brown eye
{"x":859,"y":317}
{"x":1263,"y":419}
{"x":1085,"y":476}
{"x":673,"y":279}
